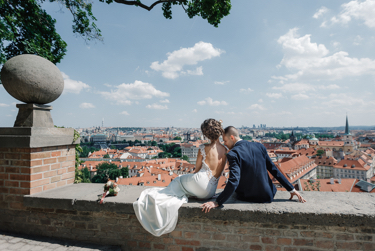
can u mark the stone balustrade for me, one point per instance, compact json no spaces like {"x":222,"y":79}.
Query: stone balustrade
{"x":328,"y":221}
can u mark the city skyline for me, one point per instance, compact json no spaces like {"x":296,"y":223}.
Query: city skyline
{"x":308,"y":69}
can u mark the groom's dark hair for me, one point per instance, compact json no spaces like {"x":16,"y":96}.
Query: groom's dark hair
{"x":231,"y":130}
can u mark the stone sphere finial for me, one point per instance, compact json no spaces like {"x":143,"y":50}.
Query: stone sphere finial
{"x":32,"y":79}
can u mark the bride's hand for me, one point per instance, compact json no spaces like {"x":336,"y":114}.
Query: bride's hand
{"x":206,"y":207}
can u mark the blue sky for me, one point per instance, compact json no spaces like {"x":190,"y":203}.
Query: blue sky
{"x":280,"y":63}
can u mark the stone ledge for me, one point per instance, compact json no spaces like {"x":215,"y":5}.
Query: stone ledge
{"x":33,"y":137}
{"x":321,"y":208}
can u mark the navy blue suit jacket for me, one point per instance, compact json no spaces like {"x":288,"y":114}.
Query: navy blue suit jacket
{"x":248,"y":177}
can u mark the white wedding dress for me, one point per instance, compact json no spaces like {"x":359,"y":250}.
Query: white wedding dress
{"x":157,"y":208}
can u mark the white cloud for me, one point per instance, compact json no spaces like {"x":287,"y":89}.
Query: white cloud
{"x":357,"y":40}
{"x":3,"y":105}
{"x":328,"y":87}
{"x":260,"y":100}
{"x":274,"y":95}
{"x":221,"y":82}
{"x":248,"y":90}
{"x":209,"y":101}
{"x":108,"y":85}
{"x":302,"y":87}
{"x":164,"y":101}
{"x":257,"y":107}
{"x":198,"y":71}
{"x":294,"y":87}
{"x":195,"y":110}
{"x":157,"y":106}
{"x":320,"y":12}
{"x":177,"y":60}
{"x":124,"y":93}
{"x":86,"y":105}
{"x":361,"y":10}
{"x":124,"y":113}
{"x":344,"y":99}
{"x":73,"y":86}
{"x":300,"y":96}
{"x":311,"y":61}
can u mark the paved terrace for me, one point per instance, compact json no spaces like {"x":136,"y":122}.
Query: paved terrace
{"x":31,"y":243}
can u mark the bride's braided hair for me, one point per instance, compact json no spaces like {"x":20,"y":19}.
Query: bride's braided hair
{"x":212,"y":129}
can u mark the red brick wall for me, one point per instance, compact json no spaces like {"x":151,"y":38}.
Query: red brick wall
{"x":26,"y":171}
{"x":191,"y":234}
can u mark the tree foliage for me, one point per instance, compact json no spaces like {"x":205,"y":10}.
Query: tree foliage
{"x":170,"y":151}
{"x":107,"y":171}
{"x":86,"y":150}
{"x":211,"y":10}
{"x":185,"y":158}
{"x":320,"y":152}
{"x":25,"y":28}
{"x":246,"y":137}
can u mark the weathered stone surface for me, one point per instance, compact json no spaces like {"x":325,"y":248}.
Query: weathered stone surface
{"x":32,"y":79}
{"x":33,"y":115}
{"x":321,"y":208}
{"x":21,"y":137}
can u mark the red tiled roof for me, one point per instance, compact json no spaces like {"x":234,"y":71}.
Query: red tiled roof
{"x":352,"y":164}
{"x":326,"y":186}
{"x":165,"y":180}
{"x":331,"y":143}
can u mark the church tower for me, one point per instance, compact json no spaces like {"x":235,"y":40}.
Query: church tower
{"x":292,"y":138}
{"x":348,"y":137}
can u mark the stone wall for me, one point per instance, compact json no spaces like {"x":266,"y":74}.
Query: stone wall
{"x":190,"y":234}
{"x":71,"y":212}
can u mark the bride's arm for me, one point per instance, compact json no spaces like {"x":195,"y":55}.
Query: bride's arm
{"x":198,"y":164}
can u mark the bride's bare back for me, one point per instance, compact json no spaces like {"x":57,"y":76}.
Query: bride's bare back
{"x":215,"y":158}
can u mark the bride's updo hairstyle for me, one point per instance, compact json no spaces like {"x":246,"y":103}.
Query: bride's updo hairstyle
{"x":212,"y":129}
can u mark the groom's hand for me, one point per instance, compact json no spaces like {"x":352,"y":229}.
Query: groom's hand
{"x":300,"y":198}
{"x":206,"y":207}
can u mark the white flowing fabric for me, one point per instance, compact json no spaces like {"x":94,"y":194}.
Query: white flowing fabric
{"x":157,"y":208}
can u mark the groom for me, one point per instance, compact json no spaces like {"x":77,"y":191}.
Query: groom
{"x":248,"y":176}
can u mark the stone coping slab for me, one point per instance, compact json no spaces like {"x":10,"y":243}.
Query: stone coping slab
{"x":33,"y":137}
{"x":321,"y":208}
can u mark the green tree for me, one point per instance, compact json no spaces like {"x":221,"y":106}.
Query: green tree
{"x":106,"y":156}
{"x":125,"y":172}
{"x":245,"y":137}
{"x":106,"y":171}
{"x":165,"y":155}
{"x":211,"y":10}
{"x":319,"y":152}
{"x":154,"y":143}
{"x":185,"y":158}
{"x":86,"y":150}
{"x":85,"y":175}
{"x":113,"y":147}
{"x":25,"y":28}
{"x":177,"y":138}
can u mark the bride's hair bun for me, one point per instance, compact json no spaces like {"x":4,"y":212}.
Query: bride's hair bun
{"x":212,"y":129}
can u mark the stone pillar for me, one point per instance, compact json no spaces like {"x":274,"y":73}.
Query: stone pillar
{"x":34,"y":155}
{"x":33,"y":160}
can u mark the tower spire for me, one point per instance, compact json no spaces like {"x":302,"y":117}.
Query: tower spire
{"x":347,"y":126}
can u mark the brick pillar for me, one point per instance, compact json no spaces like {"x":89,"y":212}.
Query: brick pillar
{"x":43,"y":160}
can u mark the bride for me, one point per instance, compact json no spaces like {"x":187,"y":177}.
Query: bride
{"x":157,"y":208}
